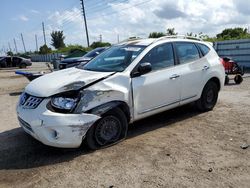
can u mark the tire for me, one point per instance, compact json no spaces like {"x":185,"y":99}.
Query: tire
{"x":242,"y":72}
{"x":238,"y":79}
{"x":107,"y":131}
{"x":22,"y":66}
{"x":226,"y":80}
{"x":209,"y":97}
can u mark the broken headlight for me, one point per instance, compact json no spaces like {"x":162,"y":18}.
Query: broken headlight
{"x":65,"y":102}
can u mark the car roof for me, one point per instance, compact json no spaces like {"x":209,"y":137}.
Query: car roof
{"x":149,"y":41}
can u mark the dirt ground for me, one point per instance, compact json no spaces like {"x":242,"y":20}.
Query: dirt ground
{"x":178,"y":148}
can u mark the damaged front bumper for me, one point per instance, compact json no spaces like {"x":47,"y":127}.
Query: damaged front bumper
{"x":55,"y":129}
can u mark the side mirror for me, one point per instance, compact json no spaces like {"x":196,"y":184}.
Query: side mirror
{"x":144,"y":68}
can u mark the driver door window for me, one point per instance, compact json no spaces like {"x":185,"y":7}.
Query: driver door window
{"x":160,"y":57}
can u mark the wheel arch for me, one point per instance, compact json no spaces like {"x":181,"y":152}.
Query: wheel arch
{"x":215,"y":80}
{"x":103,"y":108}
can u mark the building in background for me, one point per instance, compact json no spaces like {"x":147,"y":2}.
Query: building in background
{"x":238,"y":50}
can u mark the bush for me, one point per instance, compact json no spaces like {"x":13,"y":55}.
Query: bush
{"x":45,"y":49}
{"x":99,"y":44}
{"x":72,"y":48}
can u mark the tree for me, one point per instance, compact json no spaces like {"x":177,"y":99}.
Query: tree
{"x":57,"y":39}
{"x":156,"y":35}
{"x":45,"y":49}
{"x":233,"y":33}
{"x":99,"y":44}
{"x":10,"y":53}
{"x":171,"y":31}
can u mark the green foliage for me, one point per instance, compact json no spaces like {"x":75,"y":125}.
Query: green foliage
{"x":72,"y":48}
{"x":156,"y":35}
{"x":171,"y":31}
{"x":99,"y":44}
{"x":233,"y":33}
{"x":57,"y":39}
{"x":45,"y":49}
{"x":10,"y":53}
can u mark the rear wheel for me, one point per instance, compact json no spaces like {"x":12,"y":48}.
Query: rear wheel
{"x":209,"y":97}
{"x":238,"y":79}
{"x":110,"y":129}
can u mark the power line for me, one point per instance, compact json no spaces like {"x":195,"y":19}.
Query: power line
{"x":116,"y":12}
{"x":95,"y":9}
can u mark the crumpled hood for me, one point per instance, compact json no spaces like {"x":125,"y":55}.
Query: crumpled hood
{"x":61,"y":81}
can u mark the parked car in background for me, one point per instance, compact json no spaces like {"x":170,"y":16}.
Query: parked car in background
{"x":129,"y":81}
{"x":8,"y":61}
{"x":72,"y":62}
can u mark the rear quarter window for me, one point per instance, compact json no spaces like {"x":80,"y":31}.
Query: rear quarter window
{"x":204,"y":49}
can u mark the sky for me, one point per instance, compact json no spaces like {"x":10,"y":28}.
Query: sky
{"x":113,"y":18}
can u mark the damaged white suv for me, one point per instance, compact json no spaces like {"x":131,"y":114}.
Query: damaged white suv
{"x":129,"y":81}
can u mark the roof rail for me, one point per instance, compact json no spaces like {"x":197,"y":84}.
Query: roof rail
{"x":178,"y":36}
{"x":130,"y":40}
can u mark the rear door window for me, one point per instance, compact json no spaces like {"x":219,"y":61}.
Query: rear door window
{"x":186,"y":52}
{"x":16,"y":60}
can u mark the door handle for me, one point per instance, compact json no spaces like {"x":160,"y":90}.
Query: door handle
{"x":174,"y":76}
{"x":205,"y":68}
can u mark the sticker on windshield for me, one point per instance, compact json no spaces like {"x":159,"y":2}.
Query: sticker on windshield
{"x":132,"y":49}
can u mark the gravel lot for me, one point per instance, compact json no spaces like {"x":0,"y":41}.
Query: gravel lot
{"x":178,"y":148}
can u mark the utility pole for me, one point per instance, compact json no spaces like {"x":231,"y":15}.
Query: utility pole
{"x":15,"y":44}
{"x":44,"y":34}
{"x":23,"y":43}
{"x":85,"y":21}
{"x":4,"y":49}
{"x":9,"y":47}
{"x":100,"y":38}
{"x":36,"y":43}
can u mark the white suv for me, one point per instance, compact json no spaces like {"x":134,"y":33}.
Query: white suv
{"x":129,"y":81}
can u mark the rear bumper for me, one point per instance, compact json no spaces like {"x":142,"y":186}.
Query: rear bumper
{"x":55,"y":129}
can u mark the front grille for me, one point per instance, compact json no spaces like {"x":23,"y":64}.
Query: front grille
{"x":25,"y":124}
{"x":29,"y":101}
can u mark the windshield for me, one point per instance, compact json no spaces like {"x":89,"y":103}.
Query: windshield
{"x":115,"y":59}
{"x":94,"y":52}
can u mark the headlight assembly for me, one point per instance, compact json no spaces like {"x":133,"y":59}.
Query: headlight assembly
{"x":65,"y":102}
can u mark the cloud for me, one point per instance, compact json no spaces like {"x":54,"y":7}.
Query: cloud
{"x":34,"y":11}
{"x":135,"y":18}
{"x":69,"y":16}
{"x":169,"y":12}
{"x":20,"y":18}
{"x":242,"y":6}
{"x":23,"y":18}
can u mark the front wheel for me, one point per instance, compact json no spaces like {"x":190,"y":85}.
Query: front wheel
{"x":108,"y":130}
{"x":209,"y":97}
{"x":226,"y":80}
{"x":22,"y":66}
